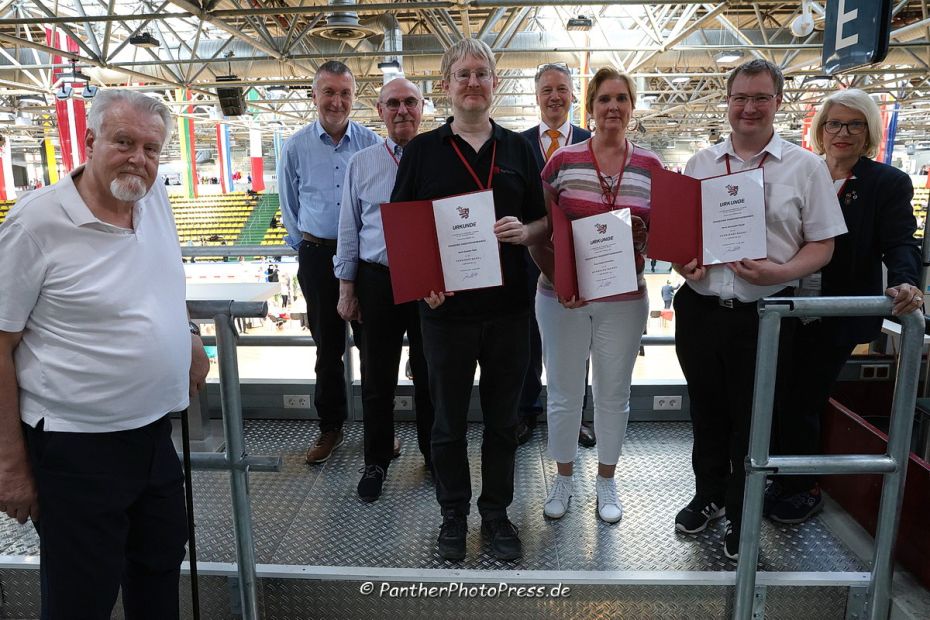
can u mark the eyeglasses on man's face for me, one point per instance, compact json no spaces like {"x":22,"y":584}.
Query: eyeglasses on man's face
{"x":394,"y":104}
{"x":853,"y":127}
{"x":463,"y":76}
{"x":760,"y":101}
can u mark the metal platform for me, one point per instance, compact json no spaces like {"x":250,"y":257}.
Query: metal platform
{"x":317,"y":544}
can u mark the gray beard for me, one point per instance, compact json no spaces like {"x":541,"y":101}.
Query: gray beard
{"x":129,"y":190}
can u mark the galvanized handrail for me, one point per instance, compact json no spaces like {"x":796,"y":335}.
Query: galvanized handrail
{"x":236,"y":459}
{"x":893,"y":465}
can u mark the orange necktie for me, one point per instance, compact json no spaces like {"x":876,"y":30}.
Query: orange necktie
{"x":554,"y":145}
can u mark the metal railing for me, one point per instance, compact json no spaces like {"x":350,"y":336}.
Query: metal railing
{"x":236,"y":460}
{"x":893,"y":465}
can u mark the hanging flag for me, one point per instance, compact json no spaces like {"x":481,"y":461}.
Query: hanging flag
{"x":70,"y":112}
{"x":223,"y":163}
{"x":255,"y":155}
{"x":7,"y":188}
{"x":891,"y":130}
{"x":186,"y":140}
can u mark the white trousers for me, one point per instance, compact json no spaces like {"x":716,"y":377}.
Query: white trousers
{"x":610,"y":332}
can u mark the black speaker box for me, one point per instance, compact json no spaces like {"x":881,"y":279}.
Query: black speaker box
{"x":231,"y":100}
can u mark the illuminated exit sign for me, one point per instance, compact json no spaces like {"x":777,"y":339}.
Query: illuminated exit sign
{"x":856,"y":33}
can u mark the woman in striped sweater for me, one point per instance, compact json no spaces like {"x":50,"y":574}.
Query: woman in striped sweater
{"x":604,"y":173}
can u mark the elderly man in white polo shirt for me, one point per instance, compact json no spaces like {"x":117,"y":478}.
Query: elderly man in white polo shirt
{"x":95,"y":352}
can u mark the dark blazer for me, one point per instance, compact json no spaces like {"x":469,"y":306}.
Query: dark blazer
{"x":877,"y":208}
{"x":532,"y":136}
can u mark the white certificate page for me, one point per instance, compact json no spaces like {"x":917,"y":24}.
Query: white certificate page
{"x":733,"y":217}
{"x":467,"y":245}
{"x":604,"y":259}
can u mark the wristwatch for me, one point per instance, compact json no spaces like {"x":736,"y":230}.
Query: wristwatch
{"x":195,"y":329}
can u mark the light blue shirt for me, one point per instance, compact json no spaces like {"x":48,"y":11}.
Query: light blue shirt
{"x":369,"y":182}
{"x":311,"y":171}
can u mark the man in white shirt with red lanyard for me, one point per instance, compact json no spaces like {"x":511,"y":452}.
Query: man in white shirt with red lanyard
{"x":717,"y":325}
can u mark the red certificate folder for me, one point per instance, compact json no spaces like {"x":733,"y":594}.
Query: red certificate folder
{"x":675,"y":232}
{"x":563,"y":245}
{"x":412,"y":249}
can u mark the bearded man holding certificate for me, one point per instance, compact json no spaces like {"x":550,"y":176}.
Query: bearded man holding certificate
{"x":487,"y":326}
{"x":717,"y":321}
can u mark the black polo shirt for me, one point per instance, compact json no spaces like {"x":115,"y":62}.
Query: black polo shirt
{"x":431,"y":169}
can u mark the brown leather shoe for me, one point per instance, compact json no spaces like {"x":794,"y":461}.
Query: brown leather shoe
{"x":396,"y":447}
{"x":325,"y":444}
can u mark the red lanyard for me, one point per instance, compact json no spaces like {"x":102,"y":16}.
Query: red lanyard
{"x":608,"y":191}
{"x":471,"y":170}
{"x":762,"y":161}
{"x":839,"y":193}
{"x":388,"y":149}
{"x":568,"y":140}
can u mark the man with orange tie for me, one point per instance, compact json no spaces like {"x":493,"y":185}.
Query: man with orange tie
{"x":554,"y":97}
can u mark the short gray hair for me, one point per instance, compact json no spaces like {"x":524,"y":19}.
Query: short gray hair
{"x":108,"y":97}
{"x":854,"y":99}
{"x":463,"y":48}
{"x":755,"y":67}
{"x":334,"y":67}
{"x":552,"y":66}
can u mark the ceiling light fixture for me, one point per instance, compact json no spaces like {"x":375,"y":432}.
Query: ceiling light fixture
{"x":803,"y":24}
{"x":580,"y":23}
{"x":728,"y":57}
{"x":389,"y":66}
{"x":144,"y":39}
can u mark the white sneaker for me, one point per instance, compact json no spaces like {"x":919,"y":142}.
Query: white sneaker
{"x":609,"y":508}
{"x":561,"y":493}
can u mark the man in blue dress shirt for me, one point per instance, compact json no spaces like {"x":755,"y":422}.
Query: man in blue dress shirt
{"x":311,"y":173}
{"x":365,"y":293}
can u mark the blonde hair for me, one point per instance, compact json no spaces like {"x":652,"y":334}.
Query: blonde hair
{"x":463,"y":48}
{"x":854,"y":99}
{"x":603,"y":74}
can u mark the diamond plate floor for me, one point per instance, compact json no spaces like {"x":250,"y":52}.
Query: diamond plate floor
{"x":310,"y":515}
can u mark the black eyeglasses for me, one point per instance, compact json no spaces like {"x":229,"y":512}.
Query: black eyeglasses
{"x":394,"y":104}
{"x":854,"y":128}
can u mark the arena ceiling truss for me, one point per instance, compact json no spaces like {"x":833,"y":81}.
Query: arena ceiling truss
{"x":678,"y":51}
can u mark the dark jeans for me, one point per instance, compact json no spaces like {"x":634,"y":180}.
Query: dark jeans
{"x":321,"y":290}
{"x":716,"y":347}
{"x":814,"y":370}
{"x":453,"y":350}
{"x":382,"y":339}
{"x":111,"y":514}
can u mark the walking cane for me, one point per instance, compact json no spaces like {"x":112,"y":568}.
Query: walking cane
{"x":189,"y":497}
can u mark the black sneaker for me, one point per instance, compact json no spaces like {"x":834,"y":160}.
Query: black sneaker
{"x":369,"y":487}
{"x":731,"y":542}
{"x":797,"y":508}
{"x":452,"y":537}
{"x":505,"y":541}
{"x":694,"y":517}
{"x":586,"y":437}
{"x":773,"y":493}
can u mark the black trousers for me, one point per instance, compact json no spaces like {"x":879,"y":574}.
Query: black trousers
{"x":816,"y":366}
{"x":382,"y":339}
{"x":321,"y":290}
{"x":111,"y":515}
{"x":530,"y":404}
{"x":453,"y":349}
{"x":716,"y":348}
